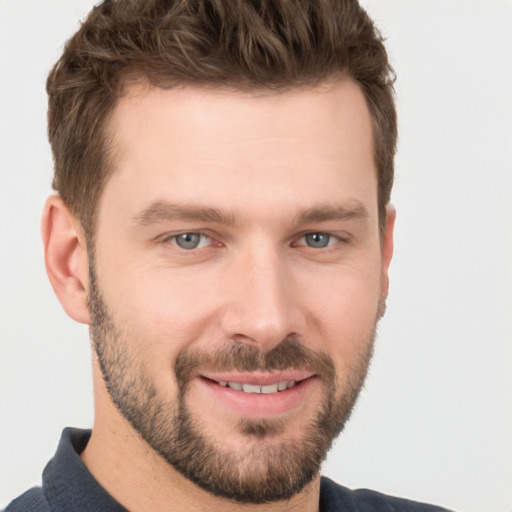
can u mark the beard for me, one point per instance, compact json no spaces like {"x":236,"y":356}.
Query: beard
{"x":271,"y":467}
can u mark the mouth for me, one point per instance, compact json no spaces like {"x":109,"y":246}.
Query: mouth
{"x":260,"y":394}
{"x":264,"y":389}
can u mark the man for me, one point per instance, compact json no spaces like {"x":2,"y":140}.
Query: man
{"x":223,"y":225}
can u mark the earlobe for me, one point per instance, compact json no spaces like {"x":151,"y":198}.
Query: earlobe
{"x":66,"y":258}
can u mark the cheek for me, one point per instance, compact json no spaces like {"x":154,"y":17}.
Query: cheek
{"x":169,"y":308}
{"x":343,"y":312}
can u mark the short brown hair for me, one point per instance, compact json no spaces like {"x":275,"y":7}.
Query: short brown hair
{"x":233,"y":44}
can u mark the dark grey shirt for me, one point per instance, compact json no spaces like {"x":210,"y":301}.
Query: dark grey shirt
{"x":69,"y":487}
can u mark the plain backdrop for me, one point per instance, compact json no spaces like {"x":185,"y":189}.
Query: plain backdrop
{"x":435,"y":420}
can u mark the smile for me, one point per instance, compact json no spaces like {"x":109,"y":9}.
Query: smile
{"x":259,"y":394}
{"x":264,"y":389}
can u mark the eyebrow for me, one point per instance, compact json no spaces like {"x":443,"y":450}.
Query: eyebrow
{"x":164,"y":211}
{"x":352,"y":210}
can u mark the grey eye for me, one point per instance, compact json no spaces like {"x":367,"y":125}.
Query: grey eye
{"x":317,"y":240}
{"x":188,"y":240}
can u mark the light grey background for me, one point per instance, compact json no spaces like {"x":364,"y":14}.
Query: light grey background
{"x":435,"y":420}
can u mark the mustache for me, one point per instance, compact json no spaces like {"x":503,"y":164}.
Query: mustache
{"x":290,"y":353}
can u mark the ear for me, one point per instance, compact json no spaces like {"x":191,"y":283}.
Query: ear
{"x":65,"y":254}
{"x":387,"y":248}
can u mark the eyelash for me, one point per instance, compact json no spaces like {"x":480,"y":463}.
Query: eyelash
{"x":332,"y":241}
{"x":173,"y":239}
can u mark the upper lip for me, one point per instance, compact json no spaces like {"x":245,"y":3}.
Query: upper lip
{"x":259,"y":378}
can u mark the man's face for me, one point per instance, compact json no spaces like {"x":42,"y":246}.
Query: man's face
{"x":237,"y":278}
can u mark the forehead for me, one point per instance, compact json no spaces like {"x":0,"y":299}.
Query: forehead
{"x":213,"y":146}
{"x":211,"y":116}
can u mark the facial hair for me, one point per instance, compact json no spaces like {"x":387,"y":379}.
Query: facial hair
{"x":272,"y":467}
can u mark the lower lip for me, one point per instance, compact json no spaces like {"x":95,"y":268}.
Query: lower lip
{"x":260,"y":405}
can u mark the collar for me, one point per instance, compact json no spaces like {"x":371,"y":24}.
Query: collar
{"x":67,"y":483}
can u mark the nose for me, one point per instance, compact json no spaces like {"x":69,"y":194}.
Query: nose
{"x":261,"y":306}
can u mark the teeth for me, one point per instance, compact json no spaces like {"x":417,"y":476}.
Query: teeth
{"x":282,"y":385}
{"x":271,"y":388}
{"x":252,"y":388}
{"x":249,"y":388}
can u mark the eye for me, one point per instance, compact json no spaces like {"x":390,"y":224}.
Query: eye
{"x":318,"y":240}
{"x":190,"y":241}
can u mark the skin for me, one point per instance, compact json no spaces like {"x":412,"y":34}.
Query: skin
{"x":261,"y":161}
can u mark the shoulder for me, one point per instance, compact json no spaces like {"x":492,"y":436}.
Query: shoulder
{"x":335,"y":497}
{"x":33,"y":500}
